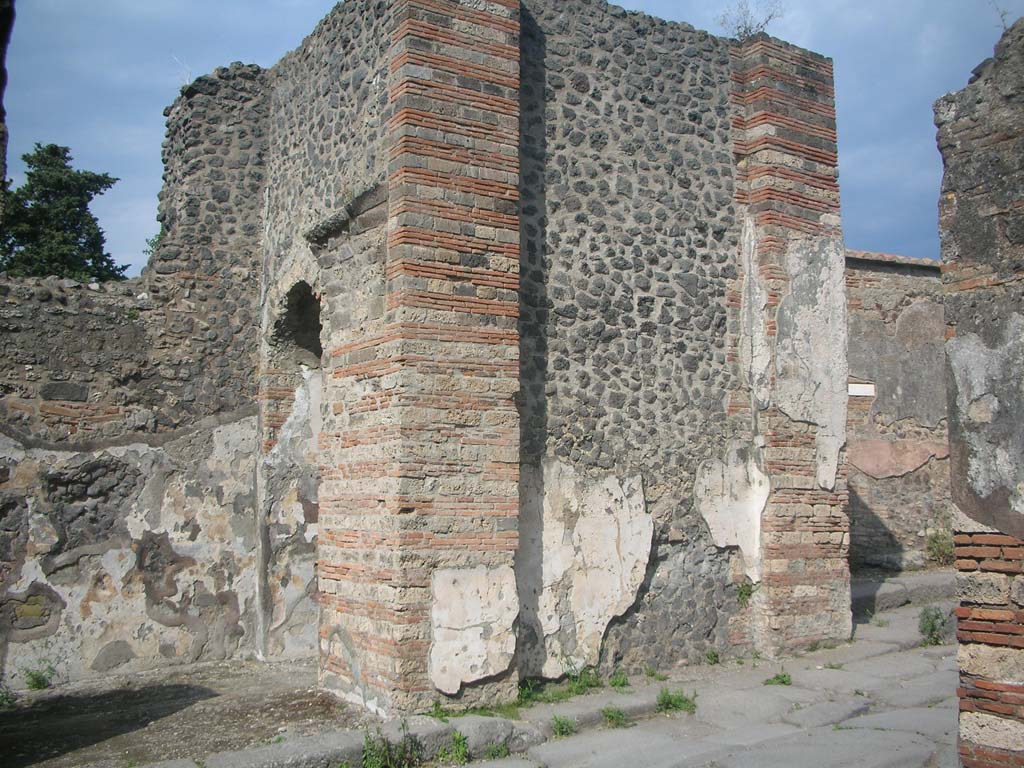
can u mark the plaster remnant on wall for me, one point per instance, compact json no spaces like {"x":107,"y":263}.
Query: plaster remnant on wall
{"x":471,"y":621}
{"x":811,"y":370}
{"x":894,"y":458}
{"x":585,"y":554}
{"x":755,"y":349}
{"x":731,"y":495}
{"x":986,"y":438}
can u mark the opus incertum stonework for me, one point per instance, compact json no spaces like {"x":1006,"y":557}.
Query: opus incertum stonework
{"x":486,"y":340}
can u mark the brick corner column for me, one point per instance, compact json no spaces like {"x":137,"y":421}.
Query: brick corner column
{"x":787,"y":191}
{"x":440,"y":504}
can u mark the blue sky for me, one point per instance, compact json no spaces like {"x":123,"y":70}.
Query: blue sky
{"x":96,"y":76}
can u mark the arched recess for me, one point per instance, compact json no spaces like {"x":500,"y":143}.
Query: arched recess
{"x":298,"y":326}
{"x":288,"y":477}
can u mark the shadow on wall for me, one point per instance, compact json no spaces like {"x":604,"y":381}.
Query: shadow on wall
{"x":872,"y":544}
{"x":67,"y":723}
{"x":534,"y":307}
{"x":872,"y":547}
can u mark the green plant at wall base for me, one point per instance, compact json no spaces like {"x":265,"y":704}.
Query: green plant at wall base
{"x":583,"y":681}
{"x":930,"y":623}
{"x":614,"y":717}
{"x":654,"y":674}
{"x":669,"y":701}
{"x":457,"y":751}
{"x":563,"y":726}
{"x":940,"y":547}
{"x":618,"y":680}
{"x":39,"y":678}
{"x":712,"y":656}
{"x":496,"y":751}
{"x":7,"y":698}
{"x":378,"y":752}
{"x":782,"y":678}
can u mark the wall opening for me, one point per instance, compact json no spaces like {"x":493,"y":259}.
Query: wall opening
{"x":299,"y":325}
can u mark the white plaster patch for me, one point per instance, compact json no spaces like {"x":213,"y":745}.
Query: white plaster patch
{"x":471,"y":620}
{"x":731,"y":495}
{"x":587,"y":545}
{"x":861,"y":390}
{"x":811,"y":368}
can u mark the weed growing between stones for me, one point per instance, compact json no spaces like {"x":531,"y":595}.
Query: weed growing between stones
{"x":614,"y":717}
{"x":378,"y":752}
{"x":940,"y":547}
{"x":712,"y":656}
{"x":39,"y":678}
{"x":7,"y":698}
{"x":583,"y":681}
{"x":457,"y":751}
{"x":618,"y":680}
{"x":930,"y":624}
{"x":669,"y":701}
{"x":496,"y":751}
{"x":654,"y":674}
{"x":782,"y":678}
{"x":563,"y":726}
{"x":744,"y":592}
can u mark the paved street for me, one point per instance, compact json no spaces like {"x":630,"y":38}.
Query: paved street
{"x":880,"y":701}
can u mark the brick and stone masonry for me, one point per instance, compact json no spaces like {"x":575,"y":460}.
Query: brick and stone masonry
{"x":487,"y":340}
{"x":981,"y":220}
{"x":793,"y":336}
{"x":436,"y":498}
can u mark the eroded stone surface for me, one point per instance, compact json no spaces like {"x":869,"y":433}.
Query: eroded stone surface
{"x":471,"y":620}
{"x":987,"y":443}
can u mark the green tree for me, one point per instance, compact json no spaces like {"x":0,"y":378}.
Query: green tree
{"x":47,"y":228}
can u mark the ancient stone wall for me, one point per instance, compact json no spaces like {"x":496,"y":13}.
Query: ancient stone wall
{"x":630,"y":238}
{"x":436,"y":516}
{"x":322,"y":286}
{"x":981,"y":219}
{"x":631,"y":458}
{"x":129,"y":429}
{"x":788,"y":336}
{"x":897,"y":447}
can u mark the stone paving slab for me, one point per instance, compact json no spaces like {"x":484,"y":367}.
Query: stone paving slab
{"x":937,"y":723}
{"x":825,"y":713}
{"x":871,"y":596}
{"x":882,"y":701}
{"x":825,"y":748}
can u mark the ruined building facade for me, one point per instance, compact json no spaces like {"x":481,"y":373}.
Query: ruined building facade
{"x":486,"y":340}
{"x":981,"y":221}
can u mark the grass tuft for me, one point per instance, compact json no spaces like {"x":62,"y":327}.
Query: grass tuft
{"x":614,"y":717}
{"x":669,"y":701}
{"x":563,"y":726}
{"x":782,"y":678}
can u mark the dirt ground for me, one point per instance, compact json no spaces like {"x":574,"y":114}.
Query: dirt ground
{"x":122,"y":722}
